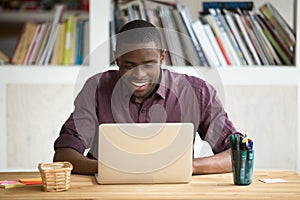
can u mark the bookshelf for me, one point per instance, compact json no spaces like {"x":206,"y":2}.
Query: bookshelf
{"x":99,"y":15}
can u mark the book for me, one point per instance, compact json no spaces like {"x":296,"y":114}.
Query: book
{"x":276,"y":37}
{"x":11,"y":184}
{"x":172,"y":38}
{"x":274,"y":42}
{"x":268,"y":14}
{"x":4,"y":59}
{"x":232,"y":41}
{"x":62,"y":43}
{"x":38,"y":43}
{"x":202,"y":38}
{"x":229,"y":5}
{"x":45,"y":57}
{"x":78,"y":56}
{"x":207,"y":19}
{"x":68,"y":40}
{"x":42,"y":47}
{"x":55,"y":51}
{"x":32,"y":44}
{"x":253,"y":38}
{"x":74,"y":40}
{"x":270,"y":48}
{"x":190,"y":53}
{"x":247,"y":39}
{"x":236,"y":32}
{"x":184,"y":13}
{"x":86,"y":42}
{"x":213,"y":41}
{"x":24,"y":42}
{"x":31,"y":181}
{"x":221,"y":35}
{"x":262,"y":40}
{"x":286,"y":27}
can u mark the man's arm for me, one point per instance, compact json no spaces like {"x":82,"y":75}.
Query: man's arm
{"x":81,"y":164}
{"x":218,"y":163}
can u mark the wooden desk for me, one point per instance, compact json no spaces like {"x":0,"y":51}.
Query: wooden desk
{"x":219,"y":186}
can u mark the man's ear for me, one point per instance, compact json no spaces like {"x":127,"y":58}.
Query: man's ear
{"x":162,"y":56}
{"x":115,"y":57}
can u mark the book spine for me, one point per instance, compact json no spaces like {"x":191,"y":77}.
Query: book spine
{"x":32,"y":44}
{"x":24,"y":43}
{"x":229,"y":5}
{"x":236,"y":49}
{"x":79,"y":43}
{"x":238,"y":37}
{"x":36,"y":48}
{"x":215,"y":46}
{"x":68,"y":40}
{"x":247,"y":39}
{"x":273,"y":42}
{"x":270,"y":17}
{"x":183,"y":13}
{"x":204,"y":42}
{"x":267,"y":42}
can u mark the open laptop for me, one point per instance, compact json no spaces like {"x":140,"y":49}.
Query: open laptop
{"x":145,"y":153}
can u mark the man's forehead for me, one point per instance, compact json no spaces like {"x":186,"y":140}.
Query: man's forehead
{"x":129,"y":47}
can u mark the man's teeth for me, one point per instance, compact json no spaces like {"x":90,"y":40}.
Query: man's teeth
{"x":139,"y":84}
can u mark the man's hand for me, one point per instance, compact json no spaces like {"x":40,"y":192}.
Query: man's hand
{"x":218,"y":163}
{"x":81,"y":164}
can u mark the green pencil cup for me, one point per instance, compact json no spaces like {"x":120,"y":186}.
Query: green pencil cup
{"x":242,"y":166}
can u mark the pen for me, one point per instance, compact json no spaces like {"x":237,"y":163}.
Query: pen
{"x":250,"y":158}
{"x":243,"y":161}
{"x":237,"y":157}
{"x":233,"y":153}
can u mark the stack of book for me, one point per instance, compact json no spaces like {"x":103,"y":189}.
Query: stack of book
{"x":227,"y":33}
{"x":174,"y":21}
{"x":54,"y":42}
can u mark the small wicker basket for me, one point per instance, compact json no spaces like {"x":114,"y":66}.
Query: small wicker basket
{"x":55,"y":176}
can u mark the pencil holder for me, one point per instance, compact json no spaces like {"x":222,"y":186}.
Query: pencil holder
{"x":55,"y":176}
{"x":242,"y":166}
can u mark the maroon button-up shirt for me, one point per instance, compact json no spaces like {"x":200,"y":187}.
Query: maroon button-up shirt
{"x":178,"y":98}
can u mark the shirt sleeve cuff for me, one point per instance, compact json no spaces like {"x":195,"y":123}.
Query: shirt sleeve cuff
{"x":67,"y":140}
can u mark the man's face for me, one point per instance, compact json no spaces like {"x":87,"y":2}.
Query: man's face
{"x":140,"y":68}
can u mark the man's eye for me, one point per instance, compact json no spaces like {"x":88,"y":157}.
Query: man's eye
{"x":129,"y":67}
{"x":148,"y":65}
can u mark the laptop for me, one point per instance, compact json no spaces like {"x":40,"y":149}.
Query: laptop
{"x":145,"y":153}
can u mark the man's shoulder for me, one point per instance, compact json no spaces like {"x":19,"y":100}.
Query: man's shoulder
{"x":181,"y":78}
{"x":110,"y":76}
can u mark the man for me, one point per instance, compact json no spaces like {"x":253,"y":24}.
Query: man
{"x":142,"y":92}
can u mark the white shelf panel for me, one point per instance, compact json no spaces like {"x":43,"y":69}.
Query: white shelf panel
{"x":228,"y":76}
{"x":37,"y":16}
{"x":40,"y":74}
{"x":245,"y":75}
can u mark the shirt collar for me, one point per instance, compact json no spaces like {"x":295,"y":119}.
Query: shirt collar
{"x":161,"y":90}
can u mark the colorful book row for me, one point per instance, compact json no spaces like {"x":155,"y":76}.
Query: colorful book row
{"x":54,"y":42}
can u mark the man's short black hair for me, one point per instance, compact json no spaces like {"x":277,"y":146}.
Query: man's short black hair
{"x":139,"y":31}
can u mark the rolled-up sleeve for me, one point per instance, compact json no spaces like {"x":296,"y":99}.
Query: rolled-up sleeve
{"x":215,"y":126}
{"x":80,"y":128}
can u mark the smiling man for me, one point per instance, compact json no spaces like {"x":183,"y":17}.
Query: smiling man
{"x":142,"y":92}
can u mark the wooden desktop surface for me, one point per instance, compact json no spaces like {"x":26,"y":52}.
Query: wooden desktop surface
{"x":218,"y":186}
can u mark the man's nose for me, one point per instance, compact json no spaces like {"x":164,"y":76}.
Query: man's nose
{"x":138,"y":71}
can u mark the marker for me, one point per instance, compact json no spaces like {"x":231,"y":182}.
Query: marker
{"x":243,"y":161}
{"x":232,"y":143}
{"x":237,"y":156}
{"x":250,"y":158}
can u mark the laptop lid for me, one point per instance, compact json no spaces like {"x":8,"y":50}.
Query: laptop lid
{"x":145,"y":153}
